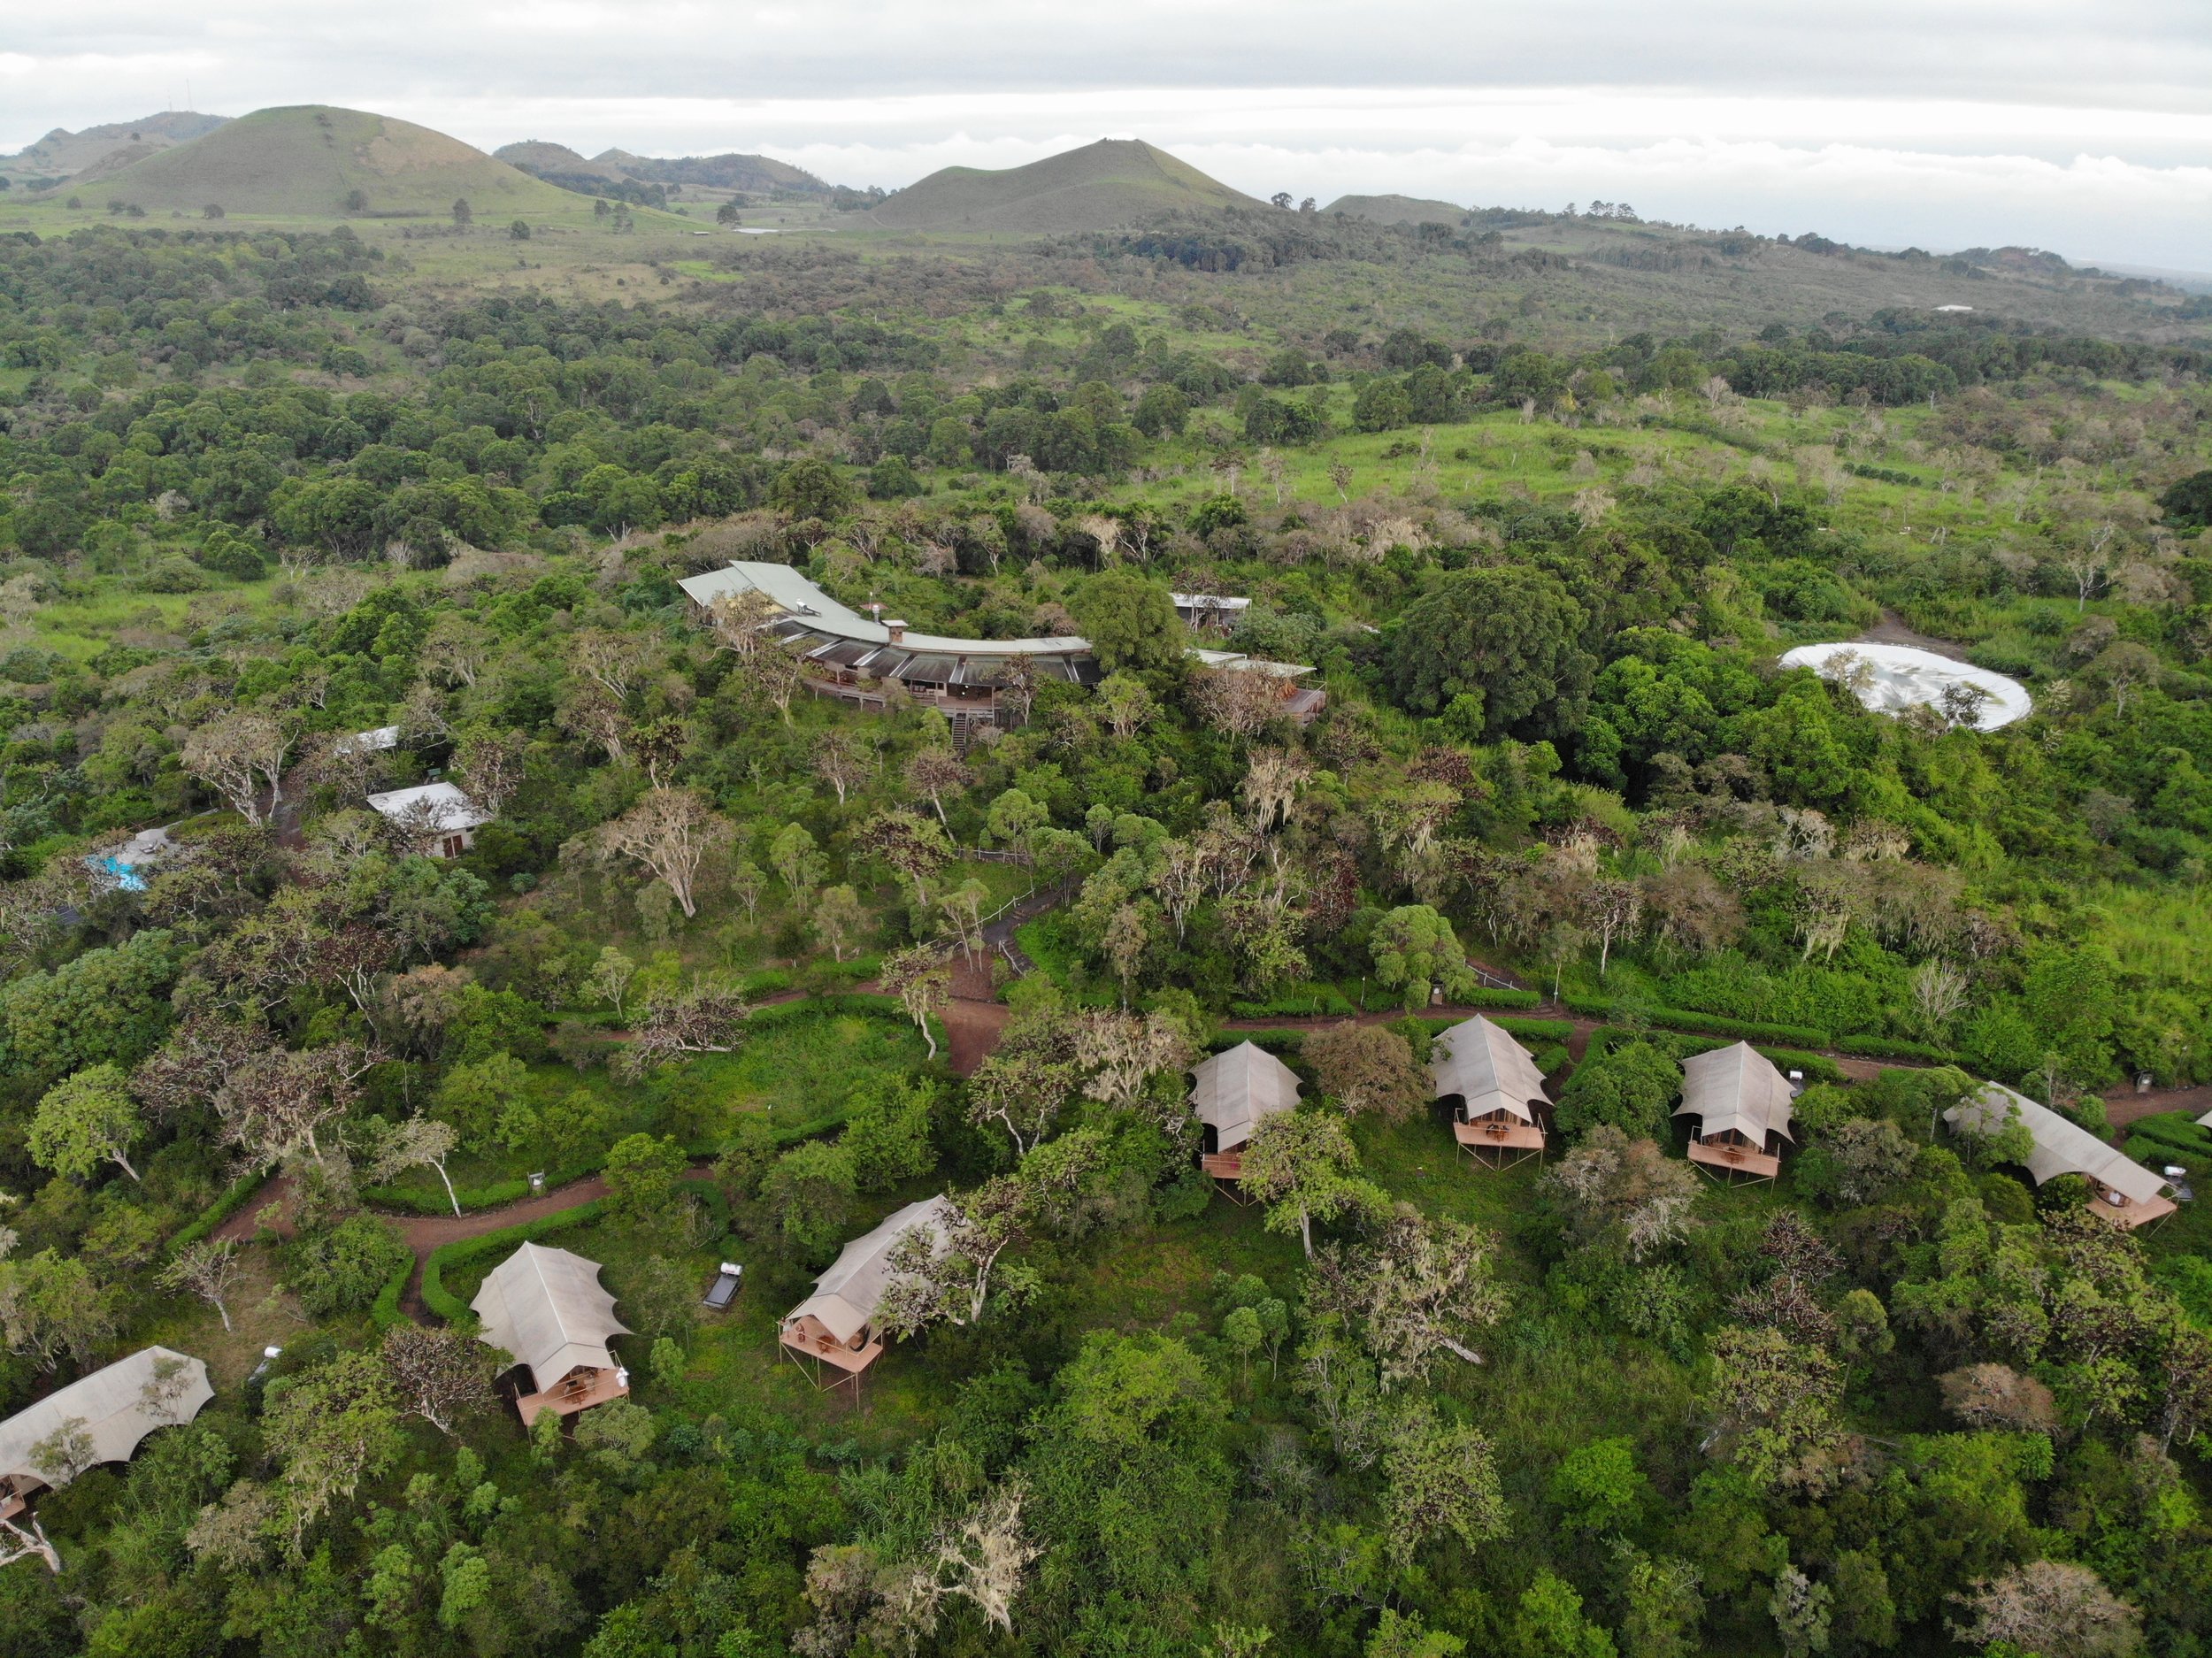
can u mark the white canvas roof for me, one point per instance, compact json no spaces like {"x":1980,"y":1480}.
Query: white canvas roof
{"x":378,"y":741}
{"x":1208,"y":601}
{"x":846,"y":1297}
{"x":791,"y":592}
{"x":1231,"y":1092}
{"x":1486,"y":1068}
{"x":2060,"y":1147}
{"x":547,"y":1307}
{"x":444,"y":807}
{"x":114,"y":1407}
{"x":1734,"y":1087}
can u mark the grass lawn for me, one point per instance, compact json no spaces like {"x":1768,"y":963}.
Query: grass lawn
{"x":798,"y":1073}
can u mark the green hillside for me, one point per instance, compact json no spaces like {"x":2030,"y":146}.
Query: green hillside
{"x":1102,"y":185}
{"x":62,"y":154}
{"x":308,"y":160}
{"x":1397,"y":210}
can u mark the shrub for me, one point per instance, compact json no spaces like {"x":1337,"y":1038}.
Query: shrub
{"x":343,"y":1270}
{"x":1629,"y":1087}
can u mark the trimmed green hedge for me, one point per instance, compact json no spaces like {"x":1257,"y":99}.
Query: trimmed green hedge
{"x":1489,"y":998}
{"x":450,"y":1307}
{"x":239,"y":1194}
{"x":1889,"y":1047}
{"x":387,"y":1312}
{"x":1816,"y":1067}
{"x":1707,"y":1024}
{"x":1308,"y":1001}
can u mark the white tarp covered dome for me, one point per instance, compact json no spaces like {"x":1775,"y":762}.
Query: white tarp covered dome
{"x":1899,"y":677}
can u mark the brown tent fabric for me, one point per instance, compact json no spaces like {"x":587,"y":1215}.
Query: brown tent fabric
{"x":1486,"y":1068}
{"x":1735,"y":1088}
{"x":846,"y":1297}
{"x":114,"y":1408}
{"x":1232,"y":1091}
{"x":548,"y":1308}
{"x":2060,"y":1147}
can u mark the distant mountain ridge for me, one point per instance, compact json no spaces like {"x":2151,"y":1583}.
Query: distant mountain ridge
{"x":1397,"y":210}
{"x":99,"y":151}
{"x":1113,"y":182}
{"x":732,"y":171}
{"x":315,"y":160}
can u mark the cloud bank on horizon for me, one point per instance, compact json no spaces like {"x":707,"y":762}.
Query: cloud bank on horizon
{"x":2085,"y":129}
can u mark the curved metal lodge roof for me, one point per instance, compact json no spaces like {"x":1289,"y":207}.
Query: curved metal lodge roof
{"x":815,"y":612}
{"x":829,"y":632}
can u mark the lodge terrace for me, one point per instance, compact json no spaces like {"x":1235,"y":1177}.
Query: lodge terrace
{"x":850,"y":656}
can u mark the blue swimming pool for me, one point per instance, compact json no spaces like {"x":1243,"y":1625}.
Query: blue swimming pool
{"x":125,"y":877}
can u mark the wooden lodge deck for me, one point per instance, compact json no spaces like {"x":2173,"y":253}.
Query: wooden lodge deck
{"x":579,"y":1389}
{"x":1223,"y":1165}
{"x":1506,"y":1138}
{"x":1732,"y":1158}
{"x":851,"y":1364}
{"x":2128,"y":1214}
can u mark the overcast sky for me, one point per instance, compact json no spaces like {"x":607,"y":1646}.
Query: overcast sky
{"x":2083,"y":127}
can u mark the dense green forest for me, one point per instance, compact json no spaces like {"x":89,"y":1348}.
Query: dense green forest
{"x":722,"y":948}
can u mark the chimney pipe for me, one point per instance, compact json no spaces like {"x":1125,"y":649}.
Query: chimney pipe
{"x":898,"y":629}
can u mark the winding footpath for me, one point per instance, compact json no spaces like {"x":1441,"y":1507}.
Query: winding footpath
{"x":975,"y":1021}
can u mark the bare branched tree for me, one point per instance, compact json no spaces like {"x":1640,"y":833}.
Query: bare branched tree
{"x":238,"y":755}
{"x":669,"y":834}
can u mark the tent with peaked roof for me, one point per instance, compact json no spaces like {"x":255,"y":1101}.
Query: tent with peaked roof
{"x":2134,"y":1193}
{"x":1498,"y":1085}
{"x":113,"y":1409}
{"x":846,"y":1297}
{"x":548,"y":1308}
{"x":1743,"y":1107}
{"x":1479,"y":1063}
{"x":1234,"y":1092}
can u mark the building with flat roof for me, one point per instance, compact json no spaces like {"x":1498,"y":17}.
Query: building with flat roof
{"x":437,"y":814}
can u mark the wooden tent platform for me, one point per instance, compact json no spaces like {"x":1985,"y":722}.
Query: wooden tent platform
{"x":1223,"y":1165}
{"x":851,"y":1363}
{"x":1499,"y":1141}
{"x":579,"y":1390}
{"x":1731,"y":1159}
{"x":2128,"y":1215}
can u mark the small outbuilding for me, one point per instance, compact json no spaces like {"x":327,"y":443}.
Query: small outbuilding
{"x":2120,"y":1189}
{"x":1743,"y":1106}
{"x":1232,"y":1093}
{"x":549,"y":1310}
{"x":1209,"y":612}
{"x":437,"y":816}
{"x":97,"y":1418}
{"x":835,"y":1327}
{"x":1498,"y":1090}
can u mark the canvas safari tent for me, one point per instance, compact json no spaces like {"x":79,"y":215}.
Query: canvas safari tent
{"x":1499,"y":1089}
{"x":1232,"y":1093}
{"x":548,"y":1308}
{"x":1743,"y":1107}
{"x":2120,"y":1189}
{"x":97,"y":1418}
{"x":835,"y":1326}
